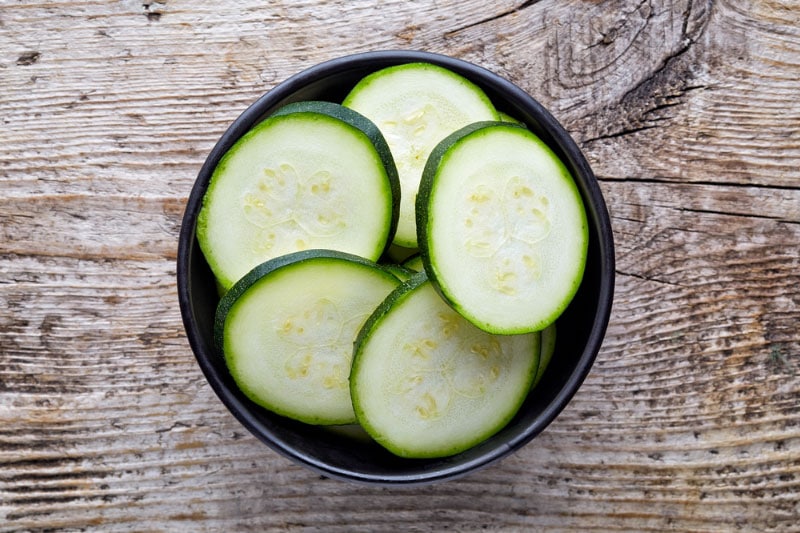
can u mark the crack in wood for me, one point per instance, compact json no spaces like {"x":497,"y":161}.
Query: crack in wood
{"x":732,"y":214}
{"x":666,"y":85}
{"x":688,"y":41}
{"x":620,"y":133}
{"x":675,"y":181}
{"x":503,"y":14}
{"x":648,"y":118}
{"x":644,"y":277}
{"x":176,"y":425}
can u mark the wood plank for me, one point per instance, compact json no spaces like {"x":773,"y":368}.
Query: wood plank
{"x":687,"y":111}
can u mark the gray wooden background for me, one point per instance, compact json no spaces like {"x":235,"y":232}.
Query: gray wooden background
{"x":689,"y":112}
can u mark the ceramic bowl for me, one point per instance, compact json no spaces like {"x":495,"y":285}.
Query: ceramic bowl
{"x":345,"y":452}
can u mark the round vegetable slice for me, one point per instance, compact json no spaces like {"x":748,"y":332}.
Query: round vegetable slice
{"x":287,"y":329}
{"x":502,"y":228}
{"x":426,"y":382}
{"x":548,"y":349}
{"x":416,"y":105}
{"x":292,"y":183}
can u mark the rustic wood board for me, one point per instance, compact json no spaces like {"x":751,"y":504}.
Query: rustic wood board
{"x":688,"y":112}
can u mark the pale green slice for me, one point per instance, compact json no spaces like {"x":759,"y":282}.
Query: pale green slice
{"x":427,"y":383}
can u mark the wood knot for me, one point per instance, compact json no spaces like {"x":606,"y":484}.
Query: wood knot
{"x":153,"y":10}
{"x":28,"y":58}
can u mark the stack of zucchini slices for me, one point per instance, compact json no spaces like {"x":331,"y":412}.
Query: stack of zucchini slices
{"x":396,"y":261}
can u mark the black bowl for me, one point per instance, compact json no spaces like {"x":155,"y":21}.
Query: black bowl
{"x":346,"y":453}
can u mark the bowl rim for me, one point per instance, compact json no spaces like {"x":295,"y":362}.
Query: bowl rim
{"x":513,"y":95}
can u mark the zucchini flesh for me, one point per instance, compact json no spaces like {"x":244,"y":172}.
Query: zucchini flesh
{"x":414,"y":263}
{"x":446,"y":360}
{"x":289,"y":184}
{"x":287,"y":328}
{"x":415,"y":106}
{"x":427,"y":383}
{"x":502,"y":229}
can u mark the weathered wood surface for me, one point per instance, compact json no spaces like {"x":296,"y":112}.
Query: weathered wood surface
{"x":689,"y":112}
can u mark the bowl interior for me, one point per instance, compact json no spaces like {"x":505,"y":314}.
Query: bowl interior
{"x":346,"y":452}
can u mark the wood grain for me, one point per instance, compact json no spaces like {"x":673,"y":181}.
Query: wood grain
{"x":689,"y":114}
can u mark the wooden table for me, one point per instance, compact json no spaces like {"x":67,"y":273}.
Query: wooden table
{"x":689,"y":112}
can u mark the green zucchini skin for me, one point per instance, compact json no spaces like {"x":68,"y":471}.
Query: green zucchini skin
{"x":376,"y":76}
{"x":248,"y":280}
{"x":549,"y":337}
{"x":356,"y":119}
{"x":228,"y":267}
{"x":480,"y":427}
{"x":398,"y":294}
{"x":241,"y":286}
{"x":414,"y":263}
{"x":400,"y":96}
{"x":426,"y":219}
{"x":423,"y":205}
{"x":273,"y":269}
{"x":401,"y":272}
{"x":426,"y":184}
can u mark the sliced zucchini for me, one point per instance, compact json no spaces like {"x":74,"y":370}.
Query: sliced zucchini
{"x":398,"y":254}
{"x":416,"y":105}
{"x":414,"y":263}
{"x":548,"y":349}
{"x":291,"y":183}
{"x":501,"y":227}
{"x":400,"y":272}
{"x":286,"y":330}
{"x":427,"y":383}
{"x":505,"y":117}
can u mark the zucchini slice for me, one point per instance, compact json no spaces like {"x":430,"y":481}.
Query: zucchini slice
{"x":505,"y":117}
{"x":427,"y":383}
{"x":501,"y":227}
{"x":293,"y":183}
{"x":400,"y":272}
{"x":416,"y":105}
{"x":286,"y":330}
{"x":399,"y":254}
{"x":548,"y":349}
{"x":414,"y":263}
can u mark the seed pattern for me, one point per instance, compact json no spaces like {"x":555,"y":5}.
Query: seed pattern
{"x":498,"y":220}
{"x":288,"y":206}
{"x":323,"y":338}
{"x":410,"y":136}
{"x":448,"y":357}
